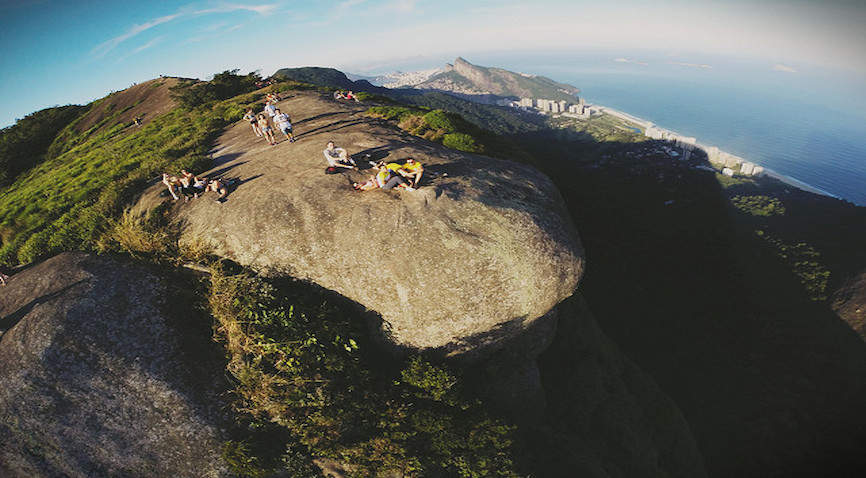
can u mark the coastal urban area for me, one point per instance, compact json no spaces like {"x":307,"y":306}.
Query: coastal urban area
{"x":679,"y":147}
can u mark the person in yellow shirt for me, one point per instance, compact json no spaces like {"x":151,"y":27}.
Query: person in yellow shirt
{"x":412,"y":171}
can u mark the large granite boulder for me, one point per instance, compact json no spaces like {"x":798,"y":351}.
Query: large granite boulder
{"x":99,"y":377}
{"x":472,"y":258}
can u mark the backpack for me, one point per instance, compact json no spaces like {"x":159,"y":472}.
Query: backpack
{"x":331,"y":170}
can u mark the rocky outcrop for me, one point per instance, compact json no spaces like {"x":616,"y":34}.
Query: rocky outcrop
{"x":849,"y":302}
{"x":607,"y":417}
{"x":462,"y":264}
{"x":100,"y":375}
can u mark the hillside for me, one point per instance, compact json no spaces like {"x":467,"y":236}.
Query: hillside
{"x":497,"y":236}
{"x":327,"y":77}
{"x":490,"y":85}
{"x":706,"y":336}
{"x":146,"y":100}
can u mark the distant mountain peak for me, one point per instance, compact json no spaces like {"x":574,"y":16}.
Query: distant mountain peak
{"x":492,"y":85}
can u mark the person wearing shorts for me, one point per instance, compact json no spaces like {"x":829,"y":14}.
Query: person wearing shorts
{"x":267,"y":131}
{"x":284,"y":124}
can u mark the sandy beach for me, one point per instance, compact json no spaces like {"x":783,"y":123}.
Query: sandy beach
{"x":644,"y":124}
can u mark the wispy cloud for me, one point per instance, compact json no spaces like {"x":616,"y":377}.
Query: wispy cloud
{"x":690,"y":65}
{"x":784,"y":68}
{"x":626,"y":60}
{"x":140,"y":49}
{"x":403,"y":6}
{"x":344,"y":9}
{"x":227,"y":8}
{"x":107,"y":46}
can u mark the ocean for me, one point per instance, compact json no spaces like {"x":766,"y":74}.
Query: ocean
{"x":807,"y":124}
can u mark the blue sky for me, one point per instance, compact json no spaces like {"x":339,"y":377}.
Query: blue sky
{"x":61,"y":52}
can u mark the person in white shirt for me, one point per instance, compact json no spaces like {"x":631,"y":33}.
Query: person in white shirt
{"x":284,"y":124}
{"x":270,"y":109}
{"x":338,"y":157}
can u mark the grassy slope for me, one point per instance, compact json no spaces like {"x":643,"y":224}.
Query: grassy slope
{"x":68,"y":201}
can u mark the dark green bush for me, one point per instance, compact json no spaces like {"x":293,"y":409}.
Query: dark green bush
{"x":225,"y":85}
{"x":462,"y":142}
{"x":26,"y":143}
{"x":438,"y":119}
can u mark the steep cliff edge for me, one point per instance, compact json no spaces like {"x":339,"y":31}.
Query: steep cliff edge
{"x":473,"y":257}
{"x":98,"y":379}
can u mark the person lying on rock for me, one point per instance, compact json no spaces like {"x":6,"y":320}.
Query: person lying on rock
{"x":387,"y":177}
{"x":338,"y":157}
{"x":218,"y":187}
{"x":412,"y":171}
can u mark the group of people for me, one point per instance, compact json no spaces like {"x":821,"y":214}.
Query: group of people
{"x":390,"y":175}
{"x":394,"y":175}
{"x":345,"y":95}
{"x":191,"y":186}
{"x":270,"y":118}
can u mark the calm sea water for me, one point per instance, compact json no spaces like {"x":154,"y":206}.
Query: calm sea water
{"x":809,"y":125}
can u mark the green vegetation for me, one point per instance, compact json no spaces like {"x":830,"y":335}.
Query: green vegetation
{"x":26,"y":143}
{"x":602,"y":128}
{"x":225,"y":85}
{"x":303,"y":362}
{"x":70,"y":199}
{"x":497,"y":119}
{"x":759,"y":205}
{"x":451,"y":130}
{"x":324,"y":77}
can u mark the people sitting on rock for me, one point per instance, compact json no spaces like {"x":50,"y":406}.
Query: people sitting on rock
{"x":254,"y":122}
{"x":273,"y":97}
{"x":172,"y":184}
{"x":284,"y":124}
{"x":412,"y":171}
{"x":338,"y":157}
{"x":187,"y":184}
{"x":267,"y":131}
{"x":338,"y":95}
{"x":351,"y":96}
{"x":386,"y":178}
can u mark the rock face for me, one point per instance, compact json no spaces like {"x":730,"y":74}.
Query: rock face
{"x":849,"y":302}
{"x":608,"y":417}
{"x":96,"y":379}
{"x":472,"y":258}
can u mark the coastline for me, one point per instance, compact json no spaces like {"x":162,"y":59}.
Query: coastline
{"x":796,"y":183}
